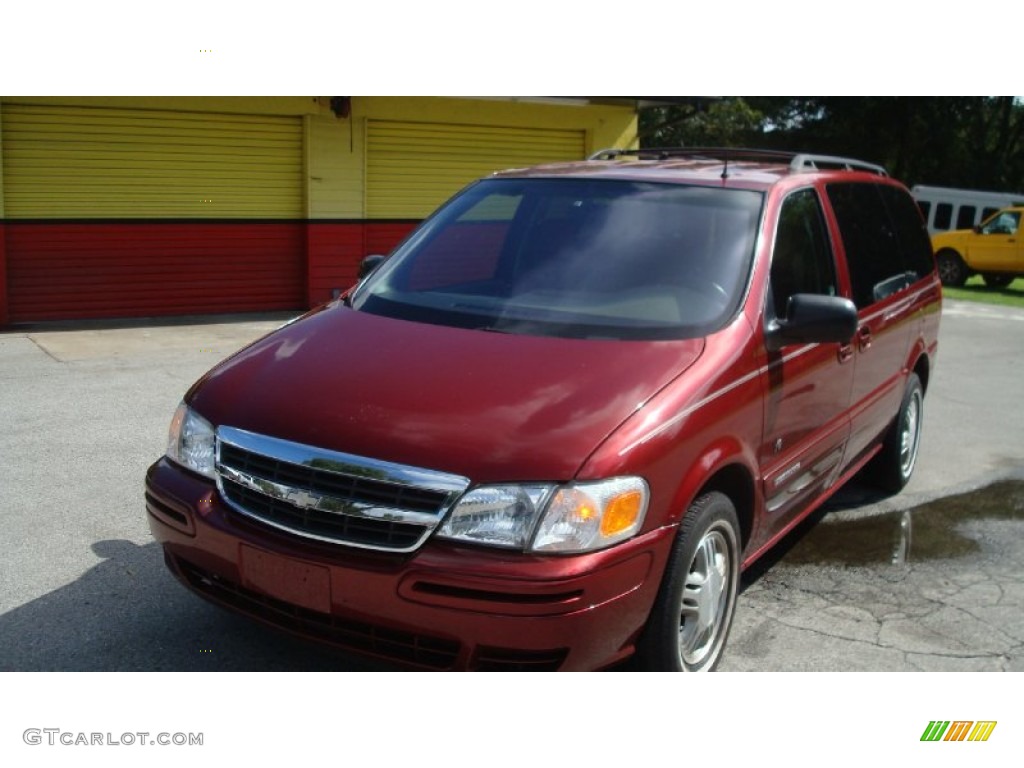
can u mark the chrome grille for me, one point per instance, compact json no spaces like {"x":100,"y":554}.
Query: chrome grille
{"x":331,"y":496}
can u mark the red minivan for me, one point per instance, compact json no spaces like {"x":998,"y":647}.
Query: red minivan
{"x":554,"y":426}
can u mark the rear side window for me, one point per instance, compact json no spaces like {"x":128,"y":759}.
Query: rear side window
{"x":915,"y":245}
{"x":925,"y":207}
{"x":943,"y":216}
{"x":965,"y":216}
{"x":886,"y":243}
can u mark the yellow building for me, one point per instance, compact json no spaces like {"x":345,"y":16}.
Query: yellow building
{"x":136,"y":206}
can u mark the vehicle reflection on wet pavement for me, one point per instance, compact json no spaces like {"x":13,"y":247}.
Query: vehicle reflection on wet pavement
{"x":928,"y":532}
{"x":936,"y":587}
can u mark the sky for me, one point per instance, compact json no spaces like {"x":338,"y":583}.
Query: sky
{"x":538,"y":47}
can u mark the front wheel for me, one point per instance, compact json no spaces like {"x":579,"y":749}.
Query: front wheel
{"x":693,"y":612}
{"x":952,"y":270}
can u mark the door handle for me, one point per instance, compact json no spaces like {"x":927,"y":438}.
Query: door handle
{"x":863,"y":338}
{"x":845,"y":353}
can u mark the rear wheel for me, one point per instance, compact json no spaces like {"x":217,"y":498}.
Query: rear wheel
{"x":693,"y":612}
{"x":895,"y":463}
{"x":996,"y":280}
{"x":952,"y":270}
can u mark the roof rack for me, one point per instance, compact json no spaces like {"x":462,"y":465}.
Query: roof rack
{"x":797,"y":161}
{"x":807,"y":162}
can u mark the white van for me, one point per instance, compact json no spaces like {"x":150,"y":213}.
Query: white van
{"x":947,"y":209}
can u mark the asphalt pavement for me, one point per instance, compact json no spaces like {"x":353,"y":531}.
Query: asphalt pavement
{"x":928,"y":579}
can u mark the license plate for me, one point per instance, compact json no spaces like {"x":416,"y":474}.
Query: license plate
{"x":293,"y":581}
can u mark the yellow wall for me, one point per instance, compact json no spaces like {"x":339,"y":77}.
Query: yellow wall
{"x":335,"y":148}
{"x":242,"y":105}
{"x":334,"y":156}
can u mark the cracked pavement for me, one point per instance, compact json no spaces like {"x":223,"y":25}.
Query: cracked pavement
{"x":930,"y":579}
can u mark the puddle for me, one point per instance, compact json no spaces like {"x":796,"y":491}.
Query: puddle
{"x":928,"y":532}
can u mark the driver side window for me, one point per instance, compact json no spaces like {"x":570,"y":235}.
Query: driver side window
{"x":1005,"y":223}
{"x":802,"y":257}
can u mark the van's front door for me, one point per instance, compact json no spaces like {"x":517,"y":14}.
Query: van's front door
{"x":807,"y":386}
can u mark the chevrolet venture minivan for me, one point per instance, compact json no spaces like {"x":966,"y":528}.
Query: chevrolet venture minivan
{"x":554,"y":426}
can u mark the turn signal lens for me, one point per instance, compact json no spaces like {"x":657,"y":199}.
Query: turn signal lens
{"x":621,"y":513}
{"x":589,"y":516}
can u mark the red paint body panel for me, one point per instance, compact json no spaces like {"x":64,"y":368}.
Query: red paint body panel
{"x":493,"y":407}
{"x":506,"y":599}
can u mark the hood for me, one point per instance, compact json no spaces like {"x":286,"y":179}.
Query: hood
{"x":492,"y":407}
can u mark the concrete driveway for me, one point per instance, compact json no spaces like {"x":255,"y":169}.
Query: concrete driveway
{"x":875,"y":584}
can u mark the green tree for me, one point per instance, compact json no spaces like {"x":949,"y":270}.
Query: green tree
{"x":965,"y":141}
{"x":700,"y":123}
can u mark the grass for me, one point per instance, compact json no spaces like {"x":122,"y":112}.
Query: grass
{"x":975,"y":290}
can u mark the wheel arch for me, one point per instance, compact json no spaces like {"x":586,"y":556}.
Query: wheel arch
{"x":736,"y":482}
{"x":734,"y":478}
{"x":922,"y":367}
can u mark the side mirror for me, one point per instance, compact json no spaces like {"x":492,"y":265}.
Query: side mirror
{"x":813,"y":319}
{"x":370,"y":263}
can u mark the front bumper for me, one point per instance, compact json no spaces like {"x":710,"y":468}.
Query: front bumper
{"x":445,"y":606}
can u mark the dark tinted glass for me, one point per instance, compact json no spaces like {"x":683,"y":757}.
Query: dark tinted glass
{"x":943,"y":216}
{"x":965,"y":216}
{"x":887,"y":246}
{"x":802,"y":257}
{"x":915,"y":245}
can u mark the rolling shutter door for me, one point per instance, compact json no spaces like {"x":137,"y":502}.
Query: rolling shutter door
{"x":116,"y":212}
{"x":414,"y":167}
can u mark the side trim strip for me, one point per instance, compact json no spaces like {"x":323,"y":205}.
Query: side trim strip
{"x":666,"y":425}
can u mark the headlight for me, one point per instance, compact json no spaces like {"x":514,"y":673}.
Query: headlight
{"x":191,"y":441}
{"x":546,"y":518}
{"x":500,"y":515}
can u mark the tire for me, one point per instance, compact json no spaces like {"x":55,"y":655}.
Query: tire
{"x":894,"y":465}
{"x":997,"y":280}
{"x":952,"y":270}
{"x":693,"y":611}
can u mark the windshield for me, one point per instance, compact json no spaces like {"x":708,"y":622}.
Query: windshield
{"x":583,"y":259}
